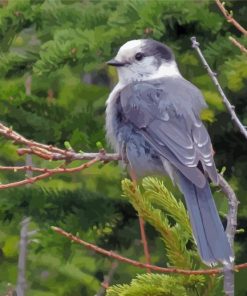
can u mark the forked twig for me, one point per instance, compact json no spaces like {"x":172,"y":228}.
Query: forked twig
{"x":230,"y":18}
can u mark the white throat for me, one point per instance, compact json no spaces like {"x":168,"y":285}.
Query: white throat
{"x":166,"y":70}
{"x":128,"y":75}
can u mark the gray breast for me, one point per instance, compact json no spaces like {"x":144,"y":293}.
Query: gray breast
{"x":125,"y":139}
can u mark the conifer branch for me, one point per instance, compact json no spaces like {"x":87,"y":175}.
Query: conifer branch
{"x":230,"y":108}
{"x":135,"y":263}
{"x":229,"y":17}
{"x":176,"y":250}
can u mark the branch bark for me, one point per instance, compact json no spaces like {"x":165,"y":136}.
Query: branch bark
{"x":230,"y":231}
{"x":232,"y":199}
{"x":21,"y":280}
{"x":142,"y":226}
{"x":111,"y":254}
{"x":230,"y":18}
{"x":238,"y":44}
{"x":107,"y":279}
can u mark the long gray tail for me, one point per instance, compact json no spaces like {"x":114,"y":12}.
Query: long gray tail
{"x":207,"y":228}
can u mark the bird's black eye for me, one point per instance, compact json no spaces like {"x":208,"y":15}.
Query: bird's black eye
{"x":139,"y":56}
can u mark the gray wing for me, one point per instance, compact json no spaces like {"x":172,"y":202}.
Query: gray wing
{"x":166,"y":113}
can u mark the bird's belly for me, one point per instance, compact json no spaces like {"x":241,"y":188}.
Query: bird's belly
{"x":143,"y":159}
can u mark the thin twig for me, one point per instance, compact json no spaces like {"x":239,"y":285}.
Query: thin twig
{"x":48,"y":173}
{"x":17,"y":138}
{"x":229,"y":106}
{"x":107,"y":279}
{"x":120,"y":258}
{"x":142,"y":226}
{"x":229,"y":17}
{"x":238,"y":44}
{"x":145,"y":242}
{"x":50,"y":152}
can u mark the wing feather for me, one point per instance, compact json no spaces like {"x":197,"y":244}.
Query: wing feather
{"x":168,"y":117}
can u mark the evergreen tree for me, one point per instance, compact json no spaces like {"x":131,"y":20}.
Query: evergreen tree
{"x":53,"y":87}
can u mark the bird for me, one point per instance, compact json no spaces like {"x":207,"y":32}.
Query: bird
{"x":153,"y":121}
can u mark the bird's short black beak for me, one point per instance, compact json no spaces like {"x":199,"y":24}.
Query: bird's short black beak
{"x":115,"y":63}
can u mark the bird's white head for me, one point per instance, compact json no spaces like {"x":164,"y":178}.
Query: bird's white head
{"x":144,"y":59}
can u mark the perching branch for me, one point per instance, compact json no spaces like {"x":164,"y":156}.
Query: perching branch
{"x":48,"y":152}
{"x":230,"y":108}
{"x":120,"y":258}
{"x":48,"y":173}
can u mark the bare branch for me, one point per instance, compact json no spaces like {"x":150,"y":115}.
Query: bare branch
{"x":48,"y":173}
{"x":107,"y":279}
{"x":48,"y":152}
{"x":17,"y":138}
{"x":144,"y":242}
{"x":230,"y":108}
{"x":238,"y":44}
{"x":230,"y":231}
{"x":229,"y":17}
{"x":120,"y":258}
{"x":232,"y":211}
{"x":21,"y":281}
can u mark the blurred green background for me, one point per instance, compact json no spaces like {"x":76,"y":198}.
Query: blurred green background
{"x":53,"y":88}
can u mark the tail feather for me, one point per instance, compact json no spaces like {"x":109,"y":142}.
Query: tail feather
{"x":207,"y":228}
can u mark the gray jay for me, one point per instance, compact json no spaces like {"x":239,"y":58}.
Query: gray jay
{"x":153,"y":119}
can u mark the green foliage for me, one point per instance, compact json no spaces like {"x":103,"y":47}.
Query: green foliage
{"x":150,"y":285}
{"x":175,"y":235}
{"x":160,"y":285}
{"x":174,"y":241}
